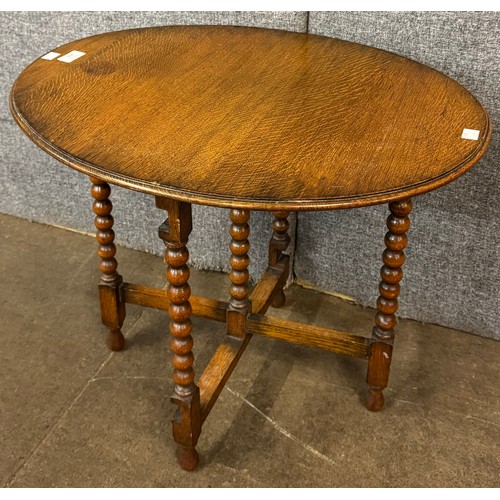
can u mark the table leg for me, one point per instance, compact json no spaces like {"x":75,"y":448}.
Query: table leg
{"x":112,"y":307}
{"x":239,"y":260}
{"x":278,"y":244}
{"x":382,"y":339}
{"x":186,"y":423}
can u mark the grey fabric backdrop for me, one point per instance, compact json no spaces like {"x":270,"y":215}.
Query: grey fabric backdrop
{"x":37,"y":187}
{"x":452,"y":273}
{"x":453,"y":266}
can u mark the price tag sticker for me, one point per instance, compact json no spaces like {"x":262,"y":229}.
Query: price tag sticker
{"x":50,"y":56}
{"x":71,"y":56}
{"x":472,"y":135}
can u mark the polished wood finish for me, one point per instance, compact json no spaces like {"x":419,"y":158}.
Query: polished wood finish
{"x":250,"y":118}
{"x":313,"y":336}
{"x":265,"y":290}
{"x":157,"y":298}
{"x":379,"y":360}
{"x":218,"y":371}
{"x":112,"y":306}
{"x":239,"y":246}
{"x":186,"y":423}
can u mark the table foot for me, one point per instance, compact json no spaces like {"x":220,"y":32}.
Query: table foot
{"x":112,"y":305}
{"x":374,"y":399}
{"x":116,"y":340}
{"x":279,"y":299}
{"x":382,"y":339}
{"x":188,"y":458}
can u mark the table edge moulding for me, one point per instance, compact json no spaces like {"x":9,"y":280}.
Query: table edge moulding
{"x":87,"y":70}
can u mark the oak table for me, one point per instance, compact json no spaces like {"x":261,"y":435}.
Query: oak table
{"x":248,"y":119}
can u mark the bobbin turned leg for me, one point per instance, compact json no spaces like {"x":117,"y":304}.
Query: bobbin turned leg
{"x":239,"y":260}
{"x":186,"y":423}
{"x":278,"y":244}
{"x":382,"y":340}
{"x":112,"y":307}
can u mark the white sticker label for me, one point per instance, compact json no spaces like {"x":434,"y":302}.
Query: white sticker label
{"x":472,"y":135}
{"x":71,"y":56}
{"x":50,"y":56}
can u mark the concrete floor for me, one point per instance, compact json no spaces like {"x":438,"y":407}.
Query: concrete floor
{"x":73,"y":414}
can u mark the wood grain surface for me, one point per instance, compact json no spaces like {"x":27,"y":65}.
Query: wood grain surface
{"x":250,"y":118}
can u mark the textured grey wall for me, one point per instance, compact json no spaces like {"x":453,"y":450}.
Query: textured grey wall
{"x":37,"y":187}
{"x":453,"y":266}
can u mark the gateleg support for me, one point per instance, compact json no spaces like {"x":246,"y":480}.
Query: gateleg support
{"x":278,"y":244}
{"x":186,"y":423}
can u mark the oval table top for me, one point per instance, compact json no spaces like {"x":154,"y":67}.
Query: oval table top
{"x":250,"y":118}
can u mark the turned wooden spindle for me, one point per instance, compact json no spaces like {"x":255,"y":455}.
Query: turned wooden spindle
{"x":112,"y":307}
{"x":178,"y":293}
{"x":278,"y":244}
{"x":187,"y":420}
{"x":239,"y":260}
{"x":382,"y":339}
